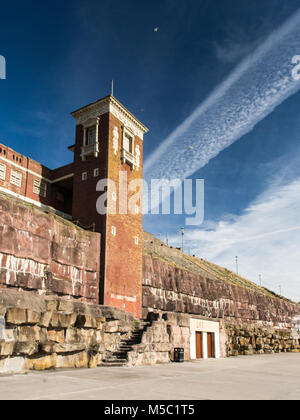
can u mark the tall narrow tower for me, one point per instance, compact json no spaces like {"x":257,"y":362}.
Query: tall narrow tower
{"x":108,"y":162}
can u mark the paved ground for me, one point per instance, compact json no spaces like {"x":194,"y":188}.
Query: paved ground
{"x":258,"y":377}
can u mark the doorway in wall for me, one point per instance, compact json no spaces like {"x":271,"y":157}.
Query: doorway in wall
{"x":199,"y":352}
{"x":211,"y":345}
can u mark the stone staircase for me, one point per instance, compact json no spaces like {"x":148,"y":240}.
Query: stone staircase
{"x":119,"y":357}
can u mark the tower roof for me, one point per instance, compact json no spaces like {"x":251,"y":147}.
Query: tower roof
{"x":110,"y":104}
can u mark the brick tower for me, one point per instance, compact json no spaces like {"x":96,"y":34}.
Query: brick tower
{"x":109,"y":146}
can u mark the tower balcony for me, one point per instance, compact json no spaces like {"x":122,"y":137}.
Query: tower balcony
{"x":90,"y":149}
{"x":128,"y":157}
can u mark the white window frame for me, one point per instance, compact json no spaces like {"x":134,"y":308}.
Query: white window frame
{"x":84,"y":176}
{"x":128,"y":133}
{"x":113,"y":230}
{"x":15,"y":178}
{"x":93,"y":122}
{"x":136,"y":240}
{"x":40,"y":188}
{"x":96,"y":172}
{"x":2,"y":171}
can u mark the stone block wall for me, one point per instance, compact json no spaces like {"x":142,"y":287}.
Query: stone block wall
{"x":155,"y":346}
{"x":250,"y":339}
{"x":38,"y":333}
{"x":47,"y":254}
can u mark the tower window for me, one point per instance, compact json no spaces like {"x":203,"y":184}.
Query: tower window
{"x":128,"y":143}
{"x":84,"y":176}
{"x":2,"y":171}
{"x":113,"y":230}
{"x":40,"y":188}
{"x":136,"y":240}
{"x":16,"y":178}
{"x":91,"y":135}
{"x":96,"y":172}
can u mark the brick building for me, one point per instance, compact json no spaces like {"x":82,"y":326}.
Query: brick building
{"x":108,"y":146}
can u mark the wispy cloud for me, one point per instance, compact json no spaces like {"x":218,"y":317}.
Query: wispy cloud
{"x":258,"y":85}
{"x":265,"y":237}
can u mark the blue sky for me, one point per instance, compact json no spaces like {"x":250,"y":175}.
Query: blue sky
{"x":62,"y":55}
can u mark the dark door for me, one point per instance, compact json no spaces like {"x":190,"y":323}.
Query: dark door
{"x":199,"y":345}
{"x":210,"y":345}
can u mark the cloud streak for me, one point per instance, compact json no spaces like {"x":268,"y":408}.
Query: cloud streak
{"x":265,"y":237}
{"x":252,"y":91}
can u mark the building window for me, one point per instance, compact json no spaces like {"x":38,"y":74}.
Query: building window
{"x":91,"y":135}
{"x":96,"y":172}
{"x":40,"y":188}
{"x":137,"y":209}
{"x":128,"y":143}
{"x":136,"y":240}
{"x":114,"y":196}
{"x":2,"y":171}
{"x":113,"y":230}
{"x":84,"y":176}
{"x":16,"y":178}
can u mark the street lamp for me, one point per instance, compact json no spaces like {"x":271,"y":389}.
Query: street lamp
{"x":182,"y":236}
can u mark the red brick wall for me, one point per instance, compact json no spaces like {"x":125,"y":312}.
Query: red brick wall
{"x":123,"y":275}
{"x":46,"y":254}
{"x":31,"y":171}
{"x":121,"y":259}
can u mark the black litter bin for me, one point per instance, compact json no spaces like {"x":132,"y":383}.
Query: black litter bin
{"x":179,"y":355}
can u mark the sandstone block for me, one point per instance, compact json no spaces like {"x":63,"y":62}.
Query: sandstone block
{"x":33,"y":317}
{"x":65,"y":306}
{"x":41,"y":363}
{"x":12,"y":365}
{"x":58,"y":336}
{"x":62,"y":347}
{"x":6,"y":349}
{"x":9,"y":335}
{"x":94,"y":361}
{"x":79,"y":360}
{"x":51,"y":305}
{"x":28,"y":348}
{"x":16,"y":316}
{"x":31,"y":334}
{"x":63,"y":320}
{"x":45,"y":319}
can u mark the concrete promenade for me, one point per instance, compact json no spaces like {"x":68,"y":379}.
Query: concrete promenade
{"x":272,"y":377}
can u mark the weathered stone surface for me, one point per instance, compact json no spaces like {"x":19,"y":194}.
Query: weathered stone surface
{"x":6,"y":349}
{"x":80,"y":360}
{"x":13,"y":365}
{"x":62,"y":347}
{"x":45,"y":319}
{"x":58,"y":336}
{"x":32,"y":334}
{"x":86,"y":321}
{"x":45,"y":253}
{"x":41,"y":363}
{"x":27,"y":348}
{"x":63,"y":320}
{"x":173,"y":282}
{"x":249,"y":340}
{"x":16,"y":316}
{"x":65,"y":306}
{"x":33,"y":317}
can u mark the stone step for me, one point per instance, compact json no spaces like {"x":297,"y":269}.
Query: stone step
{"x":112,"y":364}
